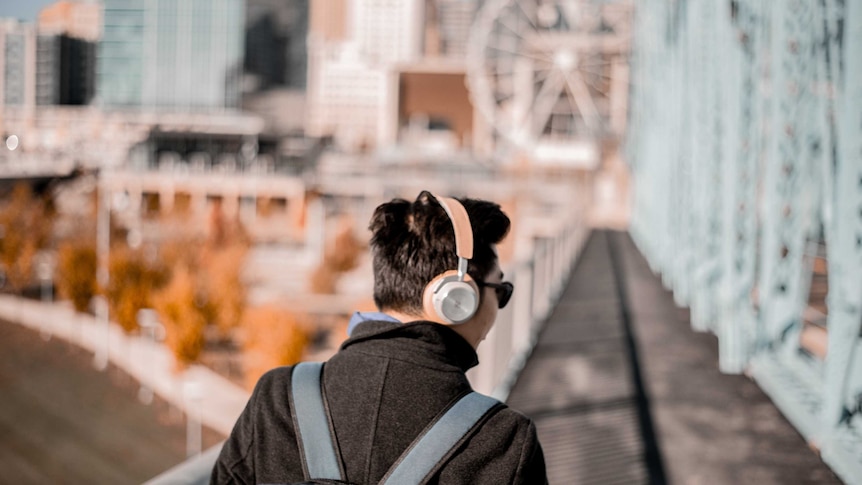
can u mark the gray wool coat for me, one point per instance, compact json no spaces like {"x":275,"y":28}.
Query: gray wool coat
{"x":382,"y":388}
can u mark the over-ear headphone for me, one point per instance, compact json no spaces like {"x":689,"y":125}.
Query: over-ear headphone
{"x":453,"y":296}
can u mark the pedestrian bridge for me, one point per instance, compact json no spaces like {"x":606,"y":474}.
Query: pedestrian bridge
{"x":745,"y":150}
{"x":622,"y":390}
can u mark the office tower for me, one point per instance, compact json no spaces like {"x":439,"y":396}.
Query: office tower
{"x":354,"y":46}
{"x":66,"y":52}
{"x":48,"y":60}
{"x":65,"y":70}
{"x":174,"y":55}
{"x":388,"y":31}
{"x":275,"y":44}
{"x":18,"y":61}
{"x":454,"y":18}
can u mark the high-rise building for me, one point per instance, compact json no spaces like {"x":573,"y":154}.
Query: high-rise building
{"x":388,"y":31}
{"x":66,"y":52}
{"x":354,"y":46}
{"x":176,"y":55}
{"x":48,"y":69}
{"x":454,"y":18}
{"x":276,"y":54}
{"x":18,"y":63}
{"x":65,"y":70}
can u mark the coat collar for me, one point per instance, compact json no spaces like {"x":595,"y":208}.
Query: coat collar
{"x":423,"y":342}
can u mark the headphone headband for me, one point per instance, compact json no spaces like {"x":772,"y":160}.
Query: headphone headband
{"x":453,"y":296}
{"x":461,"y":223}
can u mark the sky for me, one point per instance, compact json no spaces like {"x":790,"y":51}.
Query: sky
{"x":23,"y":9}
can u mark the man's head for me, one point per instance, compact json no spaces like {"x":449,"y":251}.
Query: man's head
{"x":412,"y":242}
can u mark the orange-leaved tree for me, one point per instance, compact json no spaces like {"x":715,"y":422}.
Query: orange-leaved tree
{"x":133,"y":279}
{"x":76,"y":272}
{"x":346,"y":249}
{"x":25,"y":227}
{"x":222,"y":262}
{"x":225,"y":290}
{"x":178,"y":307}
{"x":341,"y":255}
{"x":273,"y":337}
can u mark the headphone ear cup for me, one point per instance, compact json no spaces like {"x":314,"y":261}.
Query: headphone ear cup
{"x":451,"y":300}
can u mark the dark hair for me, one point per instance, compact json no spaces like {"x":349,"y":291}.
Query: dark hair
{"x":413,"y":242}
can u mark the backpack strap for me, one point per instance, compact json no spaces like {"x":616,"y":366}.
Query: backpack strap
{"x":316,"y":448}
{"x":430,"y":447}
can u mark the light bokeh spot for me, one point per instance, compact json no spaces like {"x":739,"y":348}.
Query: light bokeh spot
{"x":12,"y":142}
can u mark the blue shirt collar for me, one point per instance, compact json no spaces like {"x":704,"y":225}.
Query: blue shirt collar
{"x":359,"y":317}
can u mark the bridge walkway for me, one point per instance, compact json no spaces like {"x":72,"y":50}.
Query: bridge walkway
{"x":622,"y":390}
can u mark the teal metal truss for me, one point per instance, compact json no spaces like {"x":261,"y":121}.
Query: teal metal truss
{"x":745,"y":148}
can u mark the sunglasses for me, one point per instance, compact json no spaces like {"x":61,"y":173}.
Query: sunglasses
{"x":503,"y":290}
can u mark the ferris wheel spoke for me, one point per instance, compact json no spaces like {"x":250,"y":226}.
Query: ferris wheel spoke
{"x":596,"y":86}
{"x":594,"y":69}
{"x":527,"y":15}
{"x":592,"y":73}
{"x":504,"y":77}
{"x":583,"y":101}
{"x":501,"y":97}
{"x":504,"y":21}
{"x":528,"y":55}
{"x":542,"y":75}
{"x":569,"y":11}
{"x":500,"y":69}
{"x":546,"y":98}
{"x":595,"y":82}
{"x":596,"y":62}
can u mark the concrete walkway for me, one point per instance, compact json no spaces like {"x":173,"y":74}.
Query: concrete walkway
{"x":197,"y":391}
{"x":711,"y":428}
{"x":624,"y":391}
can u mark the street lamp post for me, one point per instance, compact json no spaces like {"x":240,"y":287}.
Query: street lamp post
{"x":194,"y":395}
{"x":103,"y":244}
{"x":150,"y":326}
{"x":107,"y":203}
{"x":44,"y":271}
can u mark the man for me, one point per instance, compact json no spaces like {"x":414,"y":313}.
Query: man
{"x":438,"y":286}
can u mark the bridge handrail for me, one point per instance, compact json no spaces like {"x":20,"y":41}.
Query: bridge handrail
{"x":194,"y":471}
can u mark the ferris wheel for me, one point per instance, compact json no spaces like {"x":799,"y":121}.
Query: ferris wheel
{"x":542,"y":72}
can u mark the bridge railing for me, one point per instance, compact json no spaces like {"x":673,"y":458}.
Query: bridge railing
{"x":538,"y":282}
{"x":746,"y":153}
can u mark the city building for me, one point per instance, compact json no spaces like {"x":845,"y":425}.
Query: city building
{"x":453,"y":21}
{"x":275,"y":65}
{"x":353,"y":48}
{"x":18,"y":61}
{"x":386,"y":73}
{"x":275,"y":44}
{"x":80,"y":19}
{"x":65,"y":70}
{"x":170,"y":55}
{"x":66,"y":52}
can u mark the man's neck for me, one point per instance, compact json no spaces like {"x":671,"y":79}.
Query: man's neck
{"x":403,"y":317}
{"x":465,"y":330}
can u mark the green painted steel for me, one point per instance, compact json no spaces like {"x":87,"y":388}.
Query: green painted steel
{"x":739,"y":164}
{"x":745,"y":147}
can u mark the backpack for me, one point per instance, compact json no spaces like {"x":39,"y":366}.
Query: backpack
{"x":320,"y":462}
